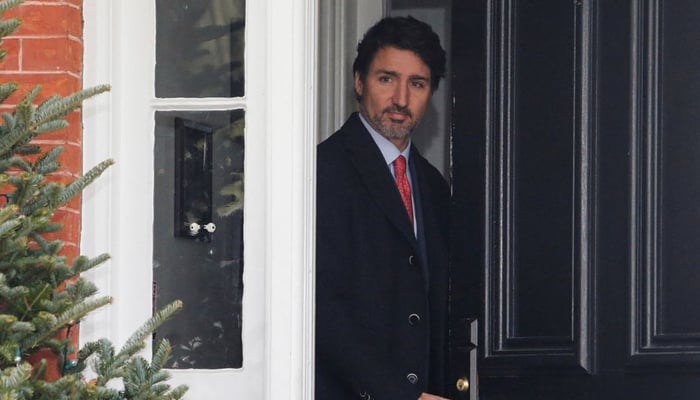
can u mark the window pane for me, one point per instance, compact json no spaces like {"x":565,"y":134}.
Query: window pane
{"x":199,"y":48}
{"x":199,"y":180}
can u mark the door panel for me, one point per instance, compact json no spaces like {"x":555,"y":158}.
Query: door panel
{"x":533,"y":193}
{"x":575,"y":150}
{"x":665,"y":193}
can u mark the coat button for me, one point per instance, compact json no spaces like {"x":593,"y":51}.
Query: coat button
{"x":412,"y":378}
{"x":411,"y":260}
{"x":413,"y":319}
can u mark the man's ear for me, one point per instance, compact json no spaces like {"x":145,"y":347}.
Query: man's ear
{"x":359,"y":85}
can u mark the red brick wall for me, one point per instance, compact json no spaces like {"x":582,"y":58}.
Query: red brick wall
{"x":47,"y":50}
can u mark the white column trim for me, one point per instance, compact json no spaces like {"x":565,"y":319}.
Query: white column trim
{"x":291,"y":132}
{"x":96,"y":235}
{"x":308,"y":201}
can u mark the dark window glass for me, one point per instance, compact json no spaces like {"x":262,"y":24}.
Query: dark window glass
{"x":199,"y":48}
{"x":199,"y":181}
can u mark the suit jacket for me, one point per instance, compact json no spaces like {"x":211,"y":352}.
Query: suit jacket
{"x":381,"y":293}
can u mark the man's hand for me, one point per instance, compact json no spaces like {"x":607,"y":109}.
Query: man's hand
{"x":426,"y":396}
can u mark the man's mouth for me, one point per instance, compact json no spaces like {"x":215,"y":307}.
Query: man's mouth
{"x":397,"y":116}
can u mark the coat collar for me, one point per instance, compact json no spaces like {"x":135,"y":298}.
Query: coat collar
{"x":375,"y":174}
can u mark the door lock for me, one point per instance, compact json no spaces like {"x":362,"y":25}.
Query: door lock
{"x":462,"y":384}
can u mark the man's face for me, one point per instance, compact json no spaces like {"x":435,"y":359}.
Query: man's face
{"x":395,"y":93}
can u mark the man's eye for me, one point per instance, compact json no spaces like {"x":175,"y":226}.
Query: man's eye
{"x":385,"y":79}
{"x":418,"y":84}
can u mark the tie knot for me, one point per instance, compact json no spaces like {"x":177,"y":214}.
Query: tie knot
{"x":400,"y":165}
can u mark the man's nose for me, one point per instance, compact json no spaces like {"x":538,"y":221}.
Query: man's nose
{"x":401,"y":95}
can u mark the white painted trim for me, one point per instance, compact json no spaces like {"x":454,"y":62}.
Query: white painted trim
{"x":209,"y":104}
{"x":291,"y":133}
{"x":97,"y":146}
{"x":308,"y":199}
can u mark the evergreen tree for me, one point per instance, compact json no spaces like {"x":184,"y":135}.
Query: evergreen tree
{"x":42,"y":295}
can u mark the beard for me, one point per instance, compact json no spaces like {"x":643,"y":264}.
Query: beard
{"x":389,"y":129}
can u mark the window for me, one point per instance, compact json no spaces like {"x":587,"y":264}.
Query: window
{"x":198,"y":180}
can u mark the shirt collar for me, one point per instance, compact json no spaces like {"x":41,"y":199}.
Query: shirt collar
{"x":388,"y":149}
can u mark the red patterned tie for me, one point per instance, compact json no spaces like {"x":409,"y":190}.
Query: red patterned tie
{"x":402,"y":184}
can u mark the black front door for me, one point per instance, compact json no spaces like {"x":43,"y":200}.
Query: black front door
{"x":576,"y":178}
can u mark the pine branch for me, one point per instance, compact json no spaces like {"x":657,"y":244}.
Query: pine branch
{"x":15,"y":162}
{"x":65,"y":388}
{"x":78,"y":185}
{"x":27,"y":150}
{"x":50,"y":126}
{"x":82,"y":263}
{"x":40,"y":294}
{"x":47,"y":163}
{"x":12,"y":381}
{"x":8,"y":26}
{"x":75,"y":313}
{"x":48,"y":196}
{"x":135,"y":342}
{"x":161,"y":355}
{"x":105,"y":365}
{"x":14,"y":134}
{"x":110,"y":365}
{"x":58,"y":109}
{"x":7,"y":228}
{"x":143,"y":381}
{"x":78,"y":291}
{"x":8,"y":4}
{"x":7,"y":89}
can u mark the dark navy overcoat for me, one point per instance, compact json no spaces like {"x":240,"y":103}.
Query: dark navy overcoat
{"x":381,"y":293}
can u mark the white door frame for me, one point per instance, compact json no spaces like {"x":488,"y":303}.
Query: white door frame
{"x":280,"y":167}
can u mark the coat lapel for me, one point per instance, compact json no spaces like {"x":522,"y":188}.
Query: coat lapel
{"x":374,"y":173}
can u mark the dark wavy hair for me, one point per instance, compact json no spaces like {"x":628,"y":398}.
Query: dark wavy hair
{"x":405,"y":33}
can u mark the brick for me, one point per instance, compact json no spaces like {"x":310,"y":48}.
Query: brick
{"x":76,"y":203}
{"x":52,"y":54}
{"x":75,"y":118}
{"x":11,"y":61}
{"x":48,"y":20}
{"x":70,"y":250}
{"x":71,"y":227}
{"x":47,"y":50}
{"x":70,"y":134}
{"x":51,"y":374}
{"x":77,"y":3}
{"x":62,"y":84}
{"x":71,"y":159}
{"x":61,"y":177}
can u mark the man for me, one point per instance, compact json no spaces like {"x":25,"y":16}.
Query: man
{"x":381,"y":283}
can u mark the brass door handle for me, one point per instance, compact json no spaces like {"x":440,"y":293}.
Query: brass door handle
{"x":462,"y":384}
